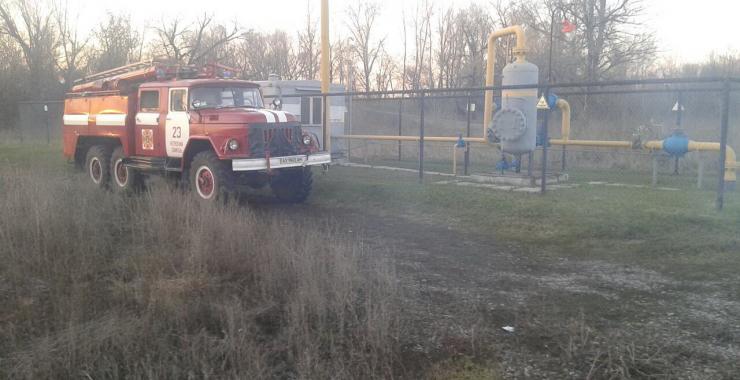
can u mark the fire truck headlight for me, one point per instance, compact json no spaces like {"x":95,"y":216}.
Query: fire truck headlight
{"x":307,"y":140}
{"x":233,"y":145}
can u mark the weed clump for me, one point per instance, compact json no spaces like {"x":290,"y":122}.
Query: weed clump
{"x":161,"y":286}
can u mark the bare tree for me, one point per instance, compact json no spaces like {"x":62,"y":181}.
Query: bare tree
{"x":341,"y":60}
{"x":365,"y":48}
{"x":308,"y":49}
{"x":385,"y":73}
{"x":30,"y":25}
{"x":72,"y":46}
{"x":449,"y":54}
{"x":610,"y":34}
{"x":117,"y":43}
{"x":474,"y":25}
{"x":422,"y":43}
{"x":259,"y":55}
{"x":193,"y":43}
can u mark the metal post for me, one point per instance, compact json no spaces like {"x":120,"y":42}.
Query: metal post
{"x":400,"y":124}
{"x":348,"y":123}
{"x":562,"y":159}
{"x":421,"y":138}
{"x":679,"y":109}
{"x":545,"y":138}
{"x":700,"y":176}
{"x":48,"y":129}
{"x":655,"y":170}
{"x":467,"y":144}
{"x":679,"y":117}
{"x":675,"y":166}
{"x":326,"y":123}
{"x":325,"y":69}
{"x":723,"y":144}
{"x":545,"y":121}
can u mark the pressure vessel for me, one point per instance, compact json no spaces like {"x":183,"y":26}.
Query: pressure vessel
{"x":515,"y":124}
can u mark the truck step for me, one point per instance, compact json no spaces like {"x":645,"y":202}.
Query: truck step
{"x":153,"y":163}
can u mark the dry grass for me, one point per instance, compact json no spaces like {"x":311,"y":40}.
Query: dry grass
{"x":94,"y":285}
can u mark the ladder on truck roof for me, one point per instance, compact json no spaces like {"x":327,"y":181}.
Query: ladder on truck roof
{"x":122,"y":77}
{"x":116,"y":71}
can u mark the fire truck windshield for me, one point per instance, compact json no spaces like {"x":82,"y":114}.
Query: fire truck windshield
{"x":225,"y":97}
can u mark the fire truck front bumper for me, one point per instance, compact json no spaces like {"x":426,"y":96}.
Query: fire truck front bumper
{"x":302,"y":160}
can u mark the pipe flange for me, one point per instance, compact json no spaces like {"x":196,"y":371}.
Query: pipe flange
{"x":509,"y":124}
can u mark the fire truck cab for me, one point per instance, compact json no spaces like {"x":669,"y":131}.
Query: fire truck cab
{"x":197,"y":124}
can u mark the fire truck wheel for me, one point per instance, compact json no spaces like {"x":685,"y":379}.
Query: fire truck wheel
{"x":125,"y":179}
{"x":292,"y":185}
{"x":97,"y":165}
{"x":210,"y":178}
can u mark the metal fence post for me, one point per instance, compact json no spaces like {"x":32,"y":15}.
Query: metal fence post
{"x":563,"y":159}
{"x":326,"y":124}
{"x":723,"y":144}
{"x":348,"y":123}
{"x":400,"y":124}
{"x":421,"y":138}
{"x":467,"y":143}
{"x":543,"y":184}
{"x":48,"y":129}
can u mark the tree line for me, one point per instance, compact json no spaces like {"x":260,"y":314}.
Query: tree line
{"x":44,"y":52}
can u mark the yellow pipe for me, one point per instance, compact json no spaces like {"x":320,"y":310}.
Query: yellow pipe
{"x":696,"y":146}
{"x":412,"y":138}
{"x":519,"y":51}
{"x":564,"y":108}
{"x":593,"y":143}
{"x":325,"y":65}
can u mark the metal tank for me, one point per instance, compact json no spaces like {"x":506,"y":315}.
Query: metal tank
{"x":515,"y":124}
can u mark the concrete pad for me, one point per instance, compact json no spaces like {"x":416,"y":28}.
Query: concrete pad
{"x":486,"y":186}
{"x":530,"y":190}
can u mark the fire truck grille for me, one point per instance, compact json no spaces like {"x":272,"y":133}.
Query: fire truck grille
{"x":279,"y":139}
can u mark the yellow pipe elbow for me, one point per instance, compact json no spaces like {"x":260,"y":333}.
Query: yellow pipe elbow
{"x":564,"y":108}
{"x":730,"y":157}
{"x":520,"y":50}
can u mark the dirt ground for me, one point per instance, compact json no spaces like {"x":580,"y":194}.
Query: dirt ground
{"x":570,"y":318}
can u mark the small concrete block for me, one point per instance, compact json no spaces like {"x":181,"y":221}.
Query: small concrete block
{"x":485,"y":186}
{"x":530,"y":190}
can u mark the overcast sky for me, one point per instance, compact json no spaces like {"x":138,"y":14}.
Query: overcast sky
{"x":687,"y":31}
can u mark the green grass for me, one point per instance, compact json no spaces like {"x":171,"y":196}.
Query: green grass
{"x":678,"y":232}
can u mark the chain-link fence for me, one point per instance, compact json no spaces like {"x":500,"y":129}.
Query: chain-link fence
{"x":403,"y":128}
{"x":39,"y":121}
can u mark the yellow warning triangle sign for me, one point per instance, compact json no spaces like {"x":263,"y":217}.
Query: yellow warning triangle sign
{"x":542,"y":104}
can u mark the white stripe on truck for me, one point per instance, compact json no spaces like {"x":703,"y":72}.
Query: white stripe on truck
{"x":75,"y":119}
{"x":269,"y":116}
{"x":111,"y":120}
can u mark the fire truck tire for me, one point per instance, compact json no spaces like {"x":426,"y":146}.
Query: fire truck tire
{"x":293,"y":185}
{"x":97,"y":165}
{"x":210,"y":178}
{"x":125,"y":180}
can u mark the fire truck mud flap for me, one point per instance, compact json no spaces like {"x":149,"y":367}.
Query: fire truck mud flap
{"x":281,"y":162}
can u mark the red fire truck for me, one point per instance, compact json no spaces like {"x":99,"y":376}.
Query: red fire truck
{"x":194,"y":123}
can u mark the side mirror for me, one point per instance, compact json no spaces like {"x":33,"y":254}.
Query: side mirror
{"x":277,"y":104}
